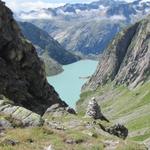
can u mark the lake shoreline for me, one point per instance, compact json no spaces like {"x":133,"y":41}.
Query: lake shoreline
{"x":68,"y":84}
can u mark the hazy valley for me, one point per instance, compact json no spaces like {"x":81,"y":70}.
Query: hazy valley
{"x":87,"y":28}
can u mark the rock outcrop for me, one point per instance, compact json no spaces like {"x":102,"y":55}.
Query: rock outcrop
{"x":94,"y":111}
{"x":17,"y":116}
{"x":127,"y":58}
{"x":22,"y":73}
{"x":117,"y":130}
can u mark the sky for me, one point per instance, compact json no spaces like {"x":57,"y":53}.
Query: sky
{"x":27,"y":5}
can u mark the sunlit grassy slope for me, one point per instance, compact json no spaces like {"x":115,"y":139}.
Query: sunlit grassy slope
{"x":118,"y":104}
{"x":121,"y":105}
{"x":41,"y":138}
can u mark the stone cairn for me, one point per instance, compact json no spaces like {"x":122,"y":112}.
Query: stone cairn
{"x":94,"y":111}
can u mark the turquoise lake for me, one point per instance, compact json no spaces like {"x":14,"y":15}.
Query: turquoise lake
{"x":68,"y":84}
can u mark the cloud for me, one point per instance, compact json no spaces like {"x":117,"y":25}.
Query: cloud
{"x":42,"y":15}
{"x":117,"y":17}
{"x":16,"y":6}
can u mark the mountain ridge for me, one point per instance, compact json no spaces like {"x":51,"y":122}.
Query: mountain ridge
{"x":43,"y":40}
{"x":73,"y":24}
{"x":127,"y":59}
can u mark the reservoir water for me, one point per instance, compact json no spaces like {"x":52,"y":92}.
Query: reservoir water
{"x":68,"y":84}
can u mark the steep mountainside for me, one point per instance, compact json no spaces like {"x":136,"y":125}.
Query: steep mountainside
{"x":22,"y":73}
{"x":121,"y":83}
{"x":87,"y":28}
{"x":127,"y":58}
{"x":88,"y":37}
{"x":47,"y":44}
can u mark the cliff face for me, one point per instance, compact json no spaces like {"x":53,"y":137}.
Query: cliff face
{"x":127,"y":58}
{"x":22,"y":73}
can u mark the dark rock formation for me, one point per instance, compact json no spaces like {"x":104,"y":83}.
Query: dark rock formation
{"x":94,"y":111}
{"x":117,"y":130}
{"x":127,"y":58}
{"x":22,"y":73}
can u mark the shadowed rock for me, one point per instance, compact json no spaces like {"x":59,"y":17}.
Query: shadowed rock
{"x":22,"y":73}
{"x":117,"y":130}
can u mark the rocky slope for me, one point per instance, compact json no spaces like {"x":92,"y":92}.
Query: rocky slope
{"x":121,"y":83}
{"x":127,"y":58}
{"x":87,"y":28}
{"x":121,"y":105}
{"x":47,"y":44}
{"x":22,"y":73}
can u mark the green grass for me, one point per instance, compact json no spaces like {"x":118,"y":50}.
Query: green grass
{"x":43,"y":137}
{"x":139,"y":122}
{"x":142,"y":137}
{"x":131,"y":146}
{"x":85,"y":96}
{"x":129,"y":106}
{"x":118,"y":102}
